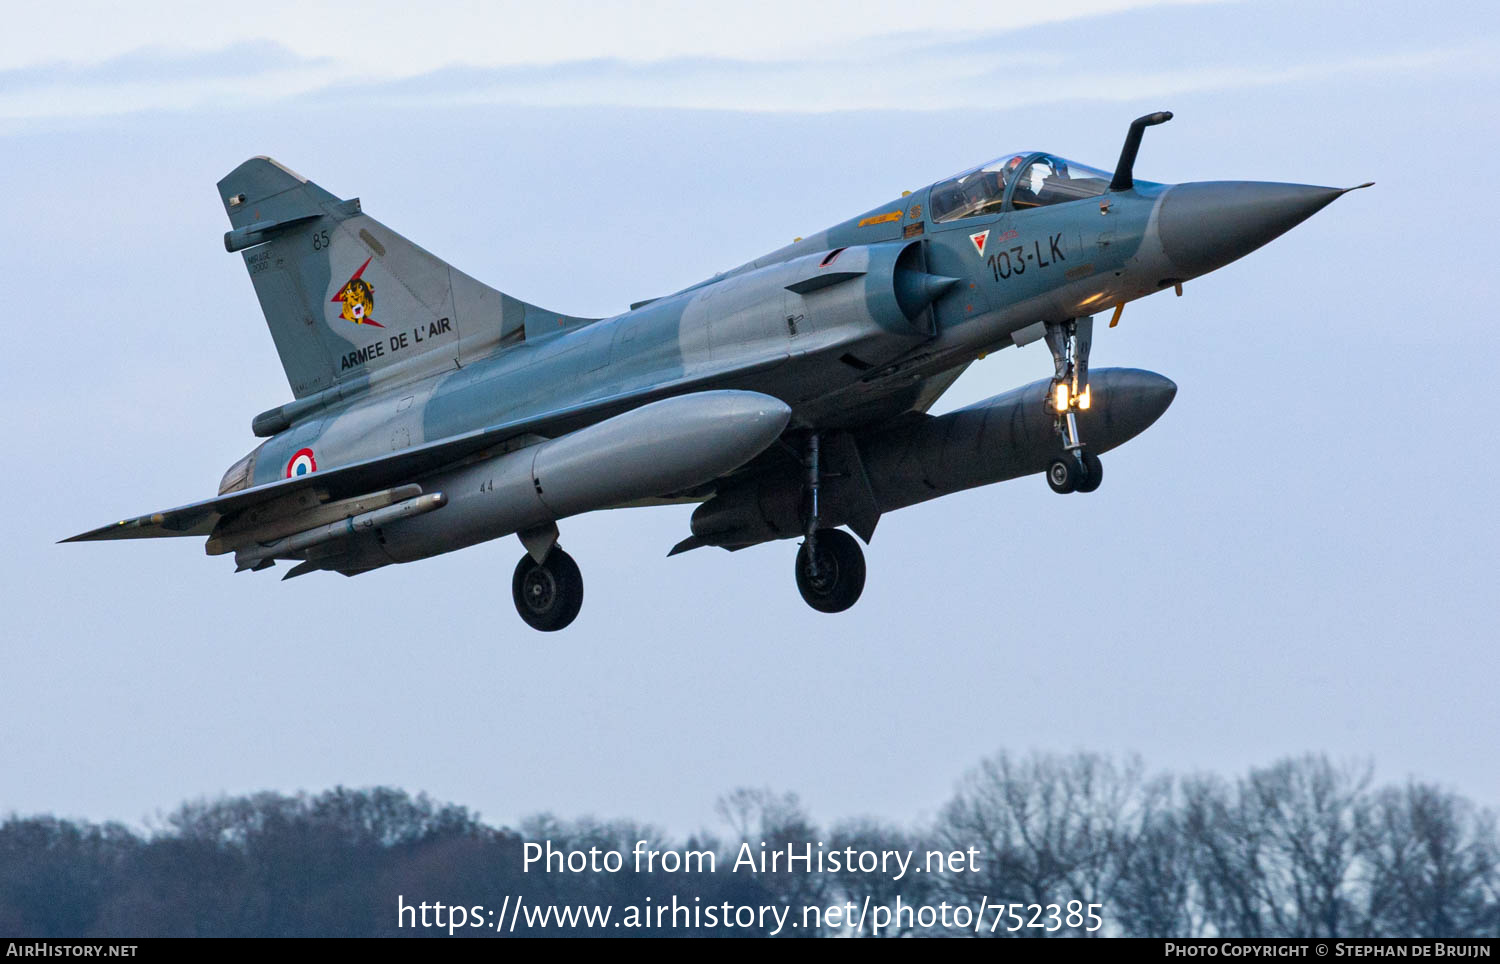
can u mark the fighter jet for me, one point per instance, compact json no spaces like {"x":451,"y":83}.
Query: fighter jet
{"x":787,"y":397}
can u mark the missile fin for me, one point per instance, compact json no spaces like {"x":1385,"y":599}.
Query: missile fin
{"x":301,"y":569}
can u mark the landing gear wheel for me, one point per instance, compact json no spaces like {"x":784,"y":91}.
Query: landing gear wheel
{"x":1093,"y":473}
{"x":840,"y":576}
{"x":548,"y":594}
{"x":1064,"y":473}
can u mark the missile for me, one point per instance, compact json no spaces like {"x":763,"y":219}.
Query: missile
{"x":250,"y":558}
{"x":279,"y":519}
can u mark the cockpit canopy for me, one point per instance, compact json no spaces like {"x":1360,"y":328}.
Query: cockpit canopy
{"x":1014,"y":182}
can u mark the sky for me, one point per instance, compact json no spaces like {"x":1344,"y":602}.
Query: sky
{"x":1300,"y":556}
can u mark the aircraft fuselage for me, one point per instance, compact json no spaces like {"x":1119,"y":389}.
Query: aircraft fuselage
{"x":788,"y":395}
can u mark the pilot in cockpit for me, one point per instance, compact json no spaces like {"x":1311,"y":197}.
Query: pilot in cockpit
{"x":983,"y":193}
{"x":1046,"y":180}
{"x":1026,"y":194}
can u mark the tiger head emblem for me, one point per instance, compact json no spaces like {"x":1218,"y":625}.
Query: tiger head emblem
{"x":358,"y":299}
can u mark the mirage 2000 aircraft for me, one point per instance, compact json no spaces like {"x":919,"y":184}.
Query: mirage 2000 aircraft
{"x":787,"y":396}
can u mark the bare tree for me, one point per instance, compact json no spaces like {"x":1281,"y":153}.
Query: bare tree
{"x":1154,"y":893}
{"x":1311,"y":811}
{"x":766,"y":821}
{"x":1277,"y":854}
{"x":881,"y":887}
{"x":1051,"y":829}
{"x":1432,"y":864}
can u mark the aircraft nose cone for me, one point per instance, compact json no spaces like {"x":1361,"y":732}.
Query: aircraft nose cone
{"x":1208,"y":224}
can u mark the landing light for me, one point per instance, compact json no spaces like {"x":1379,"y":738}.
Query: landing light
{"x":1060,"y":397}
{"x":1083,"y":400}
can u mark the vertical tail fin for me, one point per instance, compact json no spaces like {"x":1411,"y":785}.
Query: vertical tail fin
{"x":347,"y":299}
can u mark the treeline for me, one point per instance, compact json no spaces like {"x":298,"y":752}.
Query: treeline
{"x":1301,"y":848}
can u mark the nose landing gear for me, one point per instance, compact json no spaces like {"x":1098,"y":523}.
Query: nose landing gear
{"x":1074,"y":470}
{"x":1075,"y":473}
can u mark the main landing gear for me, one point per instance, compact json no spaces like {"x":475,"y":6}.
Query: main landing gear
{"x":830,"y":563}
{"x":1074,"y":469}
{"x":549,"y":593}
{"x":831,"y":571}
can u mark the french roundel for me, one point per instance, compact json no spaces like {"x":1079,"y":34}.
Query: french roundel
{"x":301,"y":464}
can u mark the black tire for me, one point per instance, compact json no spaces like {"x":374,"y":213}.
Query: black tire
{"x":1093,"y":473}
{"x":1063,"y":473}
{"x":549,"y":594}
{"x":841,"y":572}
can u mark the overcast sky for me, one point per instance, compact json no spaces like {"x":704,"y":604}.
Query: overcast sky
{"x":1299,"y":556}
